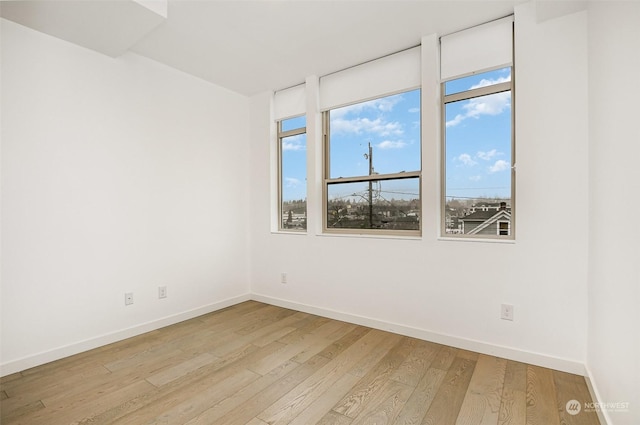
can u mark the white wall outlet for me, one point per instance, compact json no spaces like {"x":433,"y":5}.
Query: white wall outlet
{"x":283,"y":278}
{"x":506,"y":312}
{"x":128,"y":298}
{"x":162,"y":292}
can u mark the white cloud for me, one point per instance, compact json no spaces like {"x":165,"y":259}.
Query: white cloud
{"x":291,"y":182}
{"x":391,"y":144}
{"x":384,"y":104}
{"x":487,"y":155}
{"x":466,"y":159}
{"x":494,"y":104}
{"x":414,"y":110}
{"x":499,"y":165}
{"x":348,"y":118}
{"x":475,"y":178}
{"x":457,"y":120}
{"x":294,"y":143}
{"x":359,"y":125}
{"x":489,"y":82}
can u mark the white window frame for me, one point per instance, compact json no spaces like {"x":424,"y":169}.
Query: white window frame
{"x":499,"y":222}
{"x":462,"y":96}
{"x":282,"y":135}
{"x":327,"y":180}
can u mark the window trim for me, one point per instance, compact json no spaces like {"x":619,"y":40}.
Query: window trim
{"x":499,"y":229}
{"x":467,"y":95}
{"x":327,"y":180}
{"x":280,"y":135}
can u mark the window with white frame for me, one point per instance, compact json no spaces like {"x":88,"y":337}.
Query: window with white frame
{"x":292,"y":175}
{"x":478,"y":151}
{"x":372,"y":165}
{"x":372,"y":146}
{"x":504,"y":228}
{"x":289,"y":112}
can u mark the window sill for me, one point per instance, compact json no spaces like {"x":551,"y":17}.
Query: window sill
{"x":481,"y":240}
{"x":371,"y":236}
{"x":289,"y":232}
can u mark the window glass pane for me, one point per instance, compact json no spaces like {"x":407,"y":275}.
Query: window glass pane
{"x":382,"y":204}
{"x":478,"y":164}
{"x":477,"y":80}
{"x":389,"y":125}
{"x":293,"y":123}
{"x":294,"y":182}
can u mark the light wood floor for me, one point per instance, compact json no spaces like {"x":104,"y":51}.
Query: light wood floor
{"x":258,"y":364}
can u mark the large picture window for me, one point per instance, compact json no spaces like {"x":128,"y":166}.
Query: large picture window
{"x":373,"y":165}
{"x":478,"y":155}
{"x":292,"y":154}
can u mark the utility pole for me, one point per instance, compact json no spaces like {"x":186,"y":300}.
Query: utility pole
{"x":370,"y":157}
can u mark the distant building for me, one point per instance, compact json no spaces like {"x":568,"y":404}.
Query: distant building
{"x":487,"y":206}
{"x":487,"y":219}
{"x":291,"y":220}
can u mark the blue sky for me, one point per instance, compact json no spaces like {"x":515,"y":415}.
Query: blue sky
{"x":392,"y":126}
{"x":478,"y":146}
{"x":478,"y":140}
{"x":294,"y":162}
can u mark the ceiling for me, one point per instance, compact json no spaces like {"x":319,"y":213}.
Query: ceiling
{"x":253,"y":46}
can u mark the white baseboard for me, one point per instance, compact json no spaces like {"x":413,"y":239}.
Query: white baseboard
{"x":99,"y":341}
{"x":565,"y":365}
{"x":595,"y":395}
{"x":537,"y":359}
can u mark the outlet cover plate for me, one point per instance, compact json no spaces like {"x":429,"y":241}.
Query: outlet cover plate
{"x":506,"y":312}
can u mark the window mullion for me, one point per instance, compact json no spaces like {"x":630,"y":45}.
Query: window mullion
{"x":375,"y":177}
{"x":479,"y":92}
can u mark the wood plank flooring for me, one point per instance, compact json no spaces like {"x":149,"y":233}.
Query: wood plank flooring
{"x":257,"y":364}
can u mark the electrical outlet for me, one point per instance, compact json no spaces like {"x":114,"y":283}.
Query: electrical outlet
{"x":128,"y":298}
{"x":506,"y":312}
{"x":162,"y":292}
{"x":283,"y":278}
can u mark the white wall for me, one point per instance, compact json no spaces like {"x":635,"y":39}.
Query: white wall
{"x":118,"y":175}
{"x":613,"y":356}
{"x":418,"y":286}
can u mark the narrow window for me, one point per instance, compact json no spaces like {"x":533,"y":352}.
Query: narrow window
{"x":503,"y":229}
{"x":478,"y":155}
{"x":373,"y":166}
{"x":292,"y":154}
